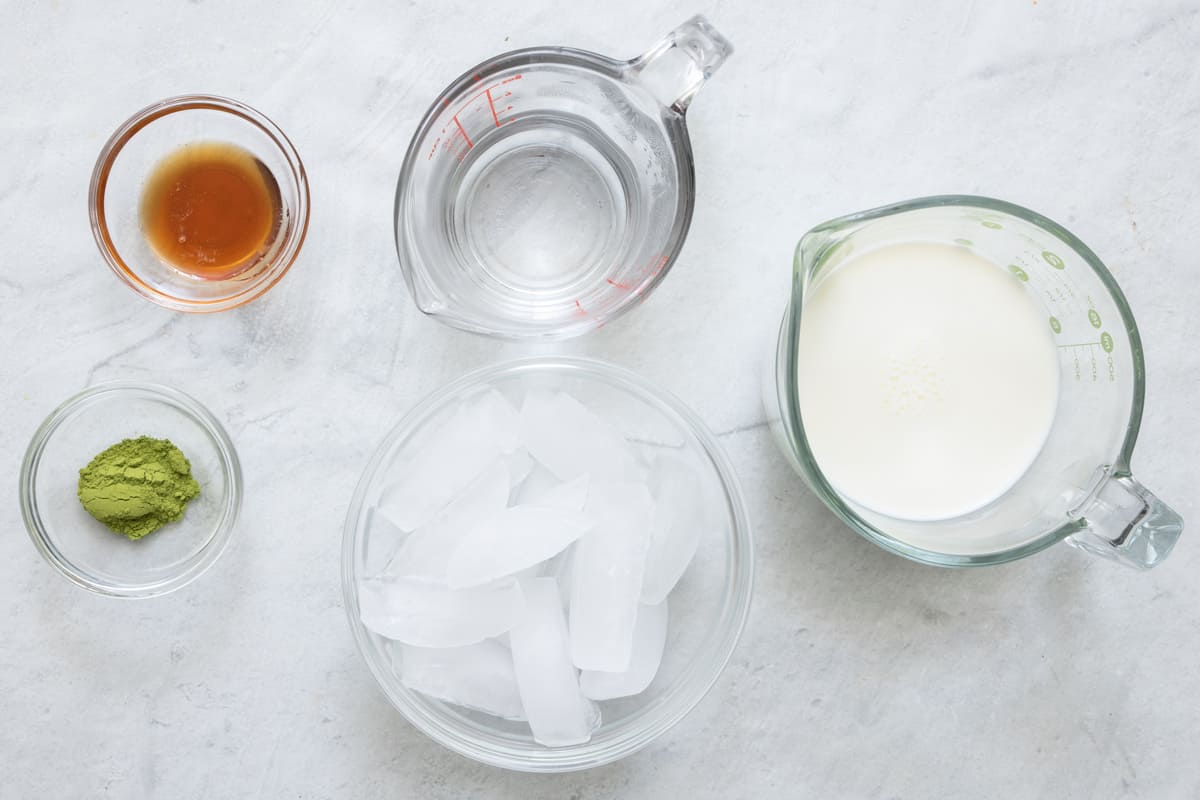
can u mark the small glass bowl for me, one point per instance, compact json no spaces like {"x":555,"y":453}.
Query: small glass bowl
{"x":81,"y":547}
{"x":129,"y":158}
{"x":708,"y":606}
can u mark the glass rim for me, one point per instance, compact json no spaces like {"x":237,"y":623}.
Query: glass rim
{"x":789,"y":402}
{"x":690,"y":687}
{"x":97,"y":209}
{"x":223,"y":526}
{"x":411,"y":260}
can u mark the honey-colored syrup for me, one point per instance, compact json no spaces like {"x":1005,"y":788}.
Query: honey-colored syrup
{"x":211,"y":209}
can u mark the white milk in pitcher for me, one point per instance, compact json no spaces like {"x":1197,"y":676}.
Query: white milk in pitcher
{"x":928,"y":379}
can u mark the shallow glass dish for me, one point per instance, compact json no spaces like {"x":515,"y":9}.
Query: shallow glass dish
{"x":129,"y":158}
{"x":708,"y":606}
{"x":82,"y":548}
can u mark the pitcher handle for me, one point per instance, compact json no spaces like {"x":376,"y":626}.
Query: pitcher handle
{"x":675,"y":68}
{"x":1123,"y":520}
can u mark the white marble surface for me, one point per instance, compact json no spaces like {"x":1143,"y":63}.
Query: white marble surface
{"x":860,"y":674}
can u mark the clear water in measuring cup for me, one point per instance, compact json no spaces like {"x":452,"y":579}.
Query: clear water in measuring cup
{"x":548,"y":189}
{"x":542,"y":197}
{"x":541,"y":208}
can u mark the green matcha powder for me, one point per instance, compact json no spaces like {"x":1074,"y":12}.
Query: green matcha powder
{"x":137,"y":486}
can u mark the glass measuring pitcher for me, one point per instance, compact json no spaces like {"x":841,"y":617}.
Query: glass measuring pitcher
{"x":1079,"y":486}
{"x":547,"y":189}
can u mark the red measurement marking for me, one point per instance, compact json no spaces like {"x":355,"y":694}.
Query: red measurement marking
{"x":463,"y":131}
{"x":474,"y":97}
{"x":620,"y":286}
{"x":579,"y":308}
{"x":661,"y":262}
{"x":433,"y":149}
{"x":492,"y":106}
{"x":466,"y":105}
{"x":482,"y":92}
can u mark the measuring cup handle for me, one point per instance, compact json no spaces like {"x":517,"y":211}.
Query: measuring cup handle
{"x":1126,"y":522}
{"x":675,"y":68}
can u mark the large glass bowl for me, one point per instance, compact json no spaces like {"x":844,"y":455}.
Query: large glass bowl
{"x":708,"y":606}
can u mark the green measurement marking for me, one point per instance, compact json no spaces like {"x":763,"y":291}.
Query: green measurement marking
{"x":1053,"y":260}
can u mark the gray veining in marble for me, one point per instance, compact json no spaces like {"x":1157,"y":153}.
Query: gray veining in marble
{"x":860,"y":674}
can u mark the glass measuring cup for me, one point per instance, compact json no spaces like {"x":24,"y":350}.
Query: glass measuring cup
{"x":547,"y":189}
{"x":1079,"y":487}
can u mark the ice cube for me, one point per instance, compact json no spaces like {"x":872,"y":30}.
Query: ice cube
{"x":428,"y":614}
{"x":520,"y":464}
{"x":649,"y":637}
{"x":511,"y":540}
{"x":427,"y":550}
{"x":488,"y":416}
{"x":559,"y":714}
{"x":539,"y":481}
{"x":606,"y":580}
{"x":560,"y":568}
{"x":383,"y":541}
{"x":683,"y":511}
{"x":534,"y":571}
{"x":569,"y":496}
{"x":478,"y":676}
{"x":569,"y":440}
{"x":480,"y":429}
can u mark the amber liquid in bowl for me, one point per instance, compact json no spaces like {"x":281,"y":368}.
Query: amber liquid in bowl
{"x":211,"y":210}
